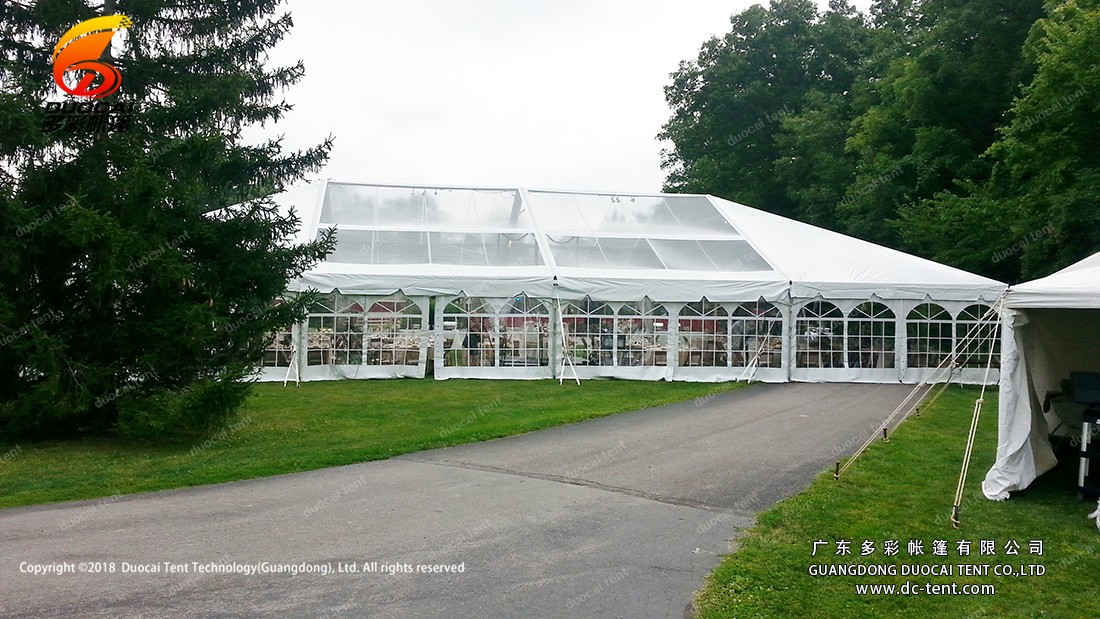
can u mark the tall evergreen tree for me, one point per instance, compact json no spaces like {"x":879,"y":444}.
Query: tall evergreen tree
{"x":141,"y":267}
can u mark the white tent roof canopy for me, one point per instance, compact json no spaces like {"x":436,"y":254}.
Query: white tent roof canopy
{"x":435,"y":240}
{"x":1074,"y":287}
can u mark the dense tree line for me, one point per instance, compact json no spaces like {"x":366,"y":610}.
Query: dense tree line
{"x":959,"y":130}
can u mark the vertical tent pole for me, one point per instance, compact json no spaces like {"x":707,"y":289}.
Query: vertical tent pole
{"x":565,"y":358}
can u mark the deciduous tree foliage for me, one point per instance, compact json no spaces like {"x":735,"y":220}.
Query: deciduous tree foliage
{"x":729,"y":104}
{"x":960,"y":130}
{"x":784,"y":65}
{"x":140,"y":267}
{"x":939,"y":110}
{"x":1046,"y":183}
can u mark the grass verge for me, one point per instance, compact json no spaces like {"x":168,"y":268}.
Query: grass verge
{"x":321,"y":424}
{"x":903,"y":490}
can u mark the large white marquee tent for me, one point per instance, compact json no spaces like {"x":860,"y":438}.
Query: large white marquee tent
{"x":1051,"y":327}
{"x":517,"y":283}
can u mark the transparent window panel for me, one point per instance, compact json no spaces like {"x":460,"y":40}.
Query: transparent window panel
{"x":589,"y":332}
{"x":871,"y":329}
{"x":756,"y":335}
{"x":320,"y":340}
{"x":978,"y":343}
{"x":402,"y":206}
{"x":505,"y":249}
{"x":929,"y":330}
{"x":278,"y":351}
{"x":524,"y":332}
{"x":641,"y":334}
{"x":394,"y":332}
{"x":590,"y":215}
{"x":819,"y":336}
{"x":691,"y":255}
{"x":347,"y":345}
{"x":589,"y":252}
{"x":335,"y":340}
{"x":471,"y":336}
{"x":704,"y":335}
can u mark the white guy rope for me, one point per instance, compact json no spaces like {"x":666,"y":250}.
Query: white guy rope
{"x":883,"y":428}
{"x":976,"y":415}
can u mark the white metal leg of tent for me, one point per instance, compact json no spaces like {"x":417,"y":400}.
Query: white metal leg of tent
{"x":565,"y":358}
{"x":1088,"y":425}
{"x":750,"y":368}
{"x":293,"y":366}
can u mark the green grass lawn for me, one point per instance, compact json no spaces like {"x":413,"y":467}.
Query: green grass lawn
{"x":903,"y":490}
{"x":285,"y":430}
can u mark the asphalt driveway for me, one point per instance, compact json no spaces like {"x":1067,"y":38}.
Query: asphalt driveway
{"x":616,"y":517}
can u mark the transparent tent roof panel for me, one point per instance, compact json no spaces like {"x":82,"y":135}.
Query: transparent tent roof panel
{"x":594,"y":215}
{"x":468,"y":209}
{"x":421,"y":247}
{"x":497,"y":228}
{"x":658,"y":254}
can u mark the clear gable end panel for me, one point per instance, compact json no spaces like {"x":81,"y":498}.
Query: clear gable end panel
{"x":597,"y":232}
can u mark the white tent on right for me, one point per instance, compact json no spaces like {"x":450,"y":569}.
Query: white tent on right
{"x":1050,"y":328}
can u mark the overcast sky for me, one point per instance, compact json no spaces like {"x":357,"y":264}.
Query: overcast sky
{"x":556,"y":94}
